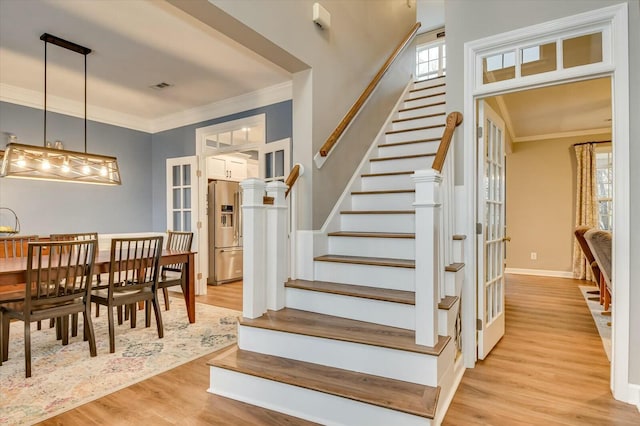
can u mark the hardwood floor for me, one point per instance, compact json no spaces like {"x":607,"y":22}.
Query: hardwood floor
{"x":549,"y":368}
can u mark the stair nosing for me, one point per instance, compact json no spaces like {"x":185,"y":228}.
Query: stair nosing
{"x":447,"y":302}
{"x":385,"y":145}
{"x":459,"y":237}
{"x":402,"y":157}
{"x":378,"y":212}
{"x":333,"y":335}
{"x":363,"y":260}
{"x":425,"y":97}
{"x":348,"y":375}
{"x":429,"y":79}
{"x":394,"y":132}
{"x":355,"y":234}
{"x":400,"y":120}
{"x":384,"y":191}
{"x":427,"y":88}
{"x":408,"y":172}
{"x":362,"y":292}
{"x":422,"y":106}
{"x":454,"y":267}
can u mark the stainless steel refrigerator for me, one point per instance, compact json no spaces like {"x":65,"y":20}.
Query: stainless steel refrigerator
{"x":225,"y":232}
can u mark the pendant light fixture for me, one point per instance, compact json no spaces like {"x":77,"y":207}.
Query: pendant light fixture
{"x":52,"y":162}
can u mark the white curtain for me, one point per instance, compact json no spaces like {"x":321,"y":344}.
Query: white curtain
{"x":586,"y":204}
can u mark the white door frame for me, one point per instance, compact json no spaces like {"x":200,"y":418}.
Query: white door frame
{"x":202,"y":152}
{"x":616,"y":65}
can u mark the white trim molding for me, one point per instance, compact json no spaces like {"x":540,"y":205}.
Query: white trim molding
{"x":634,"y":392}
{"x":539,"y":272}
{"x":560,"y":135}
{"x":613,"y":22}
{"x":259,"y":98}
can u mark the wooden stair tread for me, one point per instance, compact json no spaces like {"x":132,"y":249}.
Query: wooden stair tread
{"x":454,"y":267}
{"x":393,"y":394}
{"x":374,"y":261}
{"x":329,"y":327}
{"x":384,"y":191}
{"x":435,"y":126}
{"x":374,"y":293}
{"x":425,"y":97}
{"x":447,"y":302}
{"x":400,"y":120}
{"x":383,"y":145}
{"x":421,"y":106}
{"x":409,"y":172}
{"x":459,"y":237}
{"x":427,"y":88}
{"x":378,"y":212}
{"x":429,"y":79}
{"x":403,"y":157}
{"x":372,"y":234}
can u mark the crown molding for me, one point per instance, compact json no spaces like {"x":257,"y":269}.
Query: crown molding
{"x":33,"y":99}
{"x":561,"y":135}
{"x":259,"y":98}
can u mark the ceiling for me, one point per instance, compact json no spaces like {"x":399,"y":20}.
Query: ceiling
{"x":136,"y":44}
{"x":565,"y":110}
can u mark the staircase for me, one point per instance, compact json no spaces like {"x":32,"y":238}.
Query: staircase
{"x":343,"y":350}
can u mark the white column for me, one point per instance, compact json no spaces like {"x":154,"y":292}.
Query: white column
{"x":276,"y":245}
{"x":428,"y":274}
{"x":254,"y":296}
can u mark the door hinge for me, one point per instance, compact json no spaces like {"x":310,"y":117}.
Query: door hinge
{"x":479,"y":324}
{"x":199,"y":275}
{"x":479,"y":131}
{"x":479,"y":228}
{"x":199,"y":173}
{"x":199,"y":225}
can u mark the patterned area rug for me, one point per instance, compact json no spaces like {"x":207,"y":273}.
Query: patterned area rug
{"x":600,"y":320}
{"x":64,"y":377}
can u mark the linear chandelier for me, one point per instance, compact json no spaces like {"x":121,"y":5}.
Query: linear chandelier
{"x":54,"y":163}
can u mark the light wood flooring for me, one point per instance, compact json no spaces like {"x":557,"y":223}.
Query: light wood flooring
{"x":549,"y":369}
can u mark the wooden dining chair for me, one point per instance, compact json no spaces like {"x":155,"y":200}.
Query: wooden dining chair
{"x":174,"y":274}
{"x":133,"y":278}
{"x":58,"y":281}
{"x":15,"y":246}
{"x":81,"y":236}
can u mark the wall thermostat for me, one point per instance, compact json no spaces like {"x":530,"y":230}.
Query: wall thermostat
{"x":321,"y":16}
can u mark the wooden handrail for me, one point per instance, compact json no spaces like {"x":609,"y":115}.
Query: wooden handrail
{"x":294,"y":174}
{"x":355,"y":108}
{"x":453,"y":120}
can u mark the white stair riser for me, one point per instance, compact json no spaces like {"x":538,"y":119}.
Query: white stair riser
{"x":429,"y":83}
{"x":373,"y":222}
{"x":366,"y":275}
{"x":375,"y":311}
{"x":458,"y":251}
{"x":425,"y":110}
{"x":409,"y":149}
{"x":307,"y":404}
{"x":453,"y":282}
{"x":389,"y":201}
{"x":414,"y":135}
{"x":379,"y":183}
{"x":447,"y":320}
{"x":427,"y":90}
{"x":418,"y":122}
{"x":420,"y":101}
{"x":404,"y":164}
{"x":395,"y":364}
{"x":393,"y":248}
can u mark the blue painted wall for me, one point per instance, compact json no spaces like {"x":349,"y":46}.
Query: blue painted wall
{"x":140,"y":203}
{"x":181,"y":141}
{"x":46,"y":207}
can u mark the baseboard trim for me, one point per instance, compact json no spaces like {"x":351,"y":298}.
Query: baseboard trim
{"x":634,"y":392}
{"x":539,"y":272}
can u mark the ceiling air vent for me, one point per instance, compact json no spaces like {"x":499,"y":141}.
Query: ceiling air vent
{"x":161,"y":86}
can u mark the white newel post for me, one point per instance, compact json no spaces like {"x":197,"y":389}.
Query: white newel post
{"x":254,"y":293}
{"x":428,"y":275}
{"x":276,"y":245}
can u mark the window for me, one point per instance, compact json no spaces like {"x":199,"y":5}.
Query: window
{"x":431,"y":60}
{"x":604,"y":187}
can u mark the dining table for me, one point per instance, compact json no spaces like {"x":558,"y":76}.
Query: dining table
{"x":13,"y":274}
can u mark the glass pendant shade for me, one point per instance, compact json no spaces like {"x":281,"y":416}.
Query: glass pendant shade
{"x":37,"y":162}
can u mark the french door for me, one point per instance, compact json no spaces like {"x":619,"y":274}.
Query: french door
{"x":491,"y":213}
